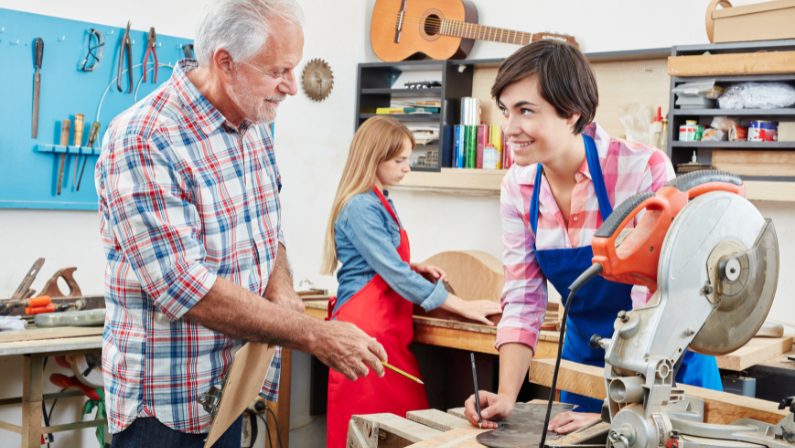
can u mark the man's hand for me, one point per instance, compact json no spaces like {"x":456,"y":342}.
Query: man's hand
{"x":287,"y":298}
{"x":493,"y":408}
{"x":347,"y":349}
{"x":570,"y":421}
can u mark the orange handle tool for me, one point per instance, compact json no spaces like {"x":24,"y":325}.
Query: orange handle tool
{"x":632,"y":255}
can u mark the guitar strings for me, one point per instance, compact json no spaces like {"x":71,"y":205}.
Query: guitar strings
{"x":438,"y":22}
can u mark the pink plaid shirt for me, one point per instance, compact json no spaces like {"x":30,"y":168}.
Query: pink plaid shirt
{"x":628,"y":168}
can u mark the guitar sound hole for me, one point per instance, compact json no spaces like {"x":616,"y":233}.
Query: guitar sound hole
{"x":433,"y":24}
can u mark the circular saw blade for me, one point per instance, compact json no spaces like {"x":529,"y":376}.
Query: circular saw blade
{"x":745,"y":285}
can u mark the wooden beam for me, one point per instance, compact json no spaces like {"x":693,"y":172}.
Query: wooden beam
{"x":757,"y":350}
{"x":757,"y":63}
{"x":437,"y":419}
{"x":719,"y":407}
{"x":385,"y":430}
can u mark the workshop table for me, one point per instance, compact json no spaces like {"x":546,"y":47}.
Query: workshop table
{"x":35,"y":346}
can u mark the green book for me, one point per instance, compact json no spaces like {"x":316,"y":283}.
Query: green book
{"x":470,"y":146}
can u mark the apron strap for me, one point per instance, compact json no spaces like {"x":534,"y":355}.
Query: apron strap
{"x":387,"y":206}
{"x":592,"y":157}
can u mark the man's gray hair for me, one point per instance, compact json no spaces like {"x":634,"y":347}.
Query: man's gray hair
{"x":241,"y":27}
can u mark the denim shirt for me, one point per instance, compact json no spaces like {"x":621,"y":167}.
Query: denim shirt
{"x":367,"y":239}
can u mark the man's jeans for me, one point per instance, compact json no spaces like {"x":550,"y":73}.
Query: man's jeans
{"x":149,"y":432}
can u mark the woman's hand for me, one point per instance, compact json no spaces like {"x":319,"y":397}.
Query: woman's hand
{"x":430,"y":272}
{"x":570,"y":421}
{"x":493,"y":407}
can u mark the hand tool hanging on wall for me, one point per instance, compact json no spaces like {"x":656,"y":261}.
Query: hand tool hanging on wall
{"x":187,"y":51}
{"x":78,"y":139}
{"x":62,"y":158}
{"x":151,"y":48}
{"x":125,"y":49}
{"x":95,"y":44}
{"x":92,"y":138}
{"x":38,"y":53}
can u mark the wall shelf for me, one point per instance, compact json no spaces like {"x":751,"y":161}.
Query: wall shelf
{"x":406,"y":118}
{"x":71,"y":150}
{"x":455,"y":180}
{"x":487,"y":182}
{"x":788,"y":112}
{"x":734,"y":145}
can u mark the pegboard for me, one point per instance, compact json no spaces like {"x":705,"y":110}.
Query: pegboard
{"x":29,"y":166}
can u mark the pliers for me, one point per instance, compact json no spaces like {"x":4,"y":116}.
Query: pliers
{"x":151,"y":48}
{"x":125,"y":48}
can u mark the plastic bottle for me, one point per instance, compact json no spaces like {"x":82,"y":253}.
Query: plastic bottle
{"x":656,"y":128}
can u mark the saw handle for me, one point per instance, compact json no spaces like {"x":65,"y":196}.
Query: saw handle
{"x":632,"y":258}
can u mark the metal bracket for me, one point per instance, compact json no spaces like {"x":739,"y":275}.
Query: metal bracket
{"x":210,"y":400}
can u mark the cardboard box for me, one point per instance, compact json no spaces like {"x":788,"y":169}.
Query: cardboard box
{"x":758,"y":21}
{"x":755,"y":162}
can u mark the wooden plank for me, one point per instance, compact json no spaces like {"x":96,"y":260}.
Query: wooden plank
{"x":241,"y":387}
{"x":36,"y":334}
{"x":719,"y":407}
{"x":385,"y":430}
{"x":756,"y":351}
{"x":437,"y":419}
{"x":458,"y":438}
{"x":757,"y":63}
{"x":60,"y":346}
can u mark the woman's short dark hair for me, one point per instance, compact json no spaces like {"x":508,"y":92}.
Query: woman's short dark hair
{"x":565,"y":79}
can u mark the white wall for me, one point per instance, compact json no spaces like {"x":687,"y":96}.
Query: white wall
{"x":312,"y":139}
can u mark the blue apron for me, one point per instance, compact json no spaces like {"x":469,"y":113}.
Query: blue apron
{"x":596,"y":304}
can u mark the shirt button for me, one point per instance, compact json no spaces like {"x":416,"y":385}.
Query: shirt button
{"x":574,"y":218}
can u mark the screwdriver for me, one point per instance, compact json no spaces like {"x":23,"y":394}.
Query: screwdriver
{"x":78,"y":139}
{"x":62,"y":157}
{"x":92,"y":138}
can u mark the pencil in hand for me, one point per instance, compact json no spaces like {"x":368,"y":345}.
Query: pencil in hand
{"x":402,"y":372}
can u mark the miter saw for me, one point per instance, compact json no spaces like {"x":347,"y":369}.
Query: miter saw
{"x":712,"y":262}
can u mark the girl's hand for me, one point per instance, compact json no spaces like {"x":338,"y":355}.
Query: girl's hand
{"x":478,"y":310}
{"x":430,"y":272}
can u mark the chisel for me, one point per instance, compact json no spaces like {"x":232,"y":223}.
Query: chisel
{"x":78,"y":139}
{"x":38,"y":53}
{"x":62,"y":159}
{"x":92,"y":138}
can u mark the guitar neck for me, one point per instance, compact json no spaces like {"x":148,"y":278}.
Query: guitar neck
{"x":457,"y":28}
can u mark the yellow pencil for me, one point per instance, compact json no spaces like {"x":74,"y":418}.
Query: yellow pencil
{"x":401,"y":372}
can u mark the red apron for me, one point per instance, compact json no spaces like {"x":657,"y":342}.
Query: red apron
{"x":383,"y":314}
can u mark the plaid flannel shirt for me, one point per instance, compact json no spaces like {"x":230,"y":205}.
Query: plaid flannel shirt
{"x":628,"y":168}
{"x":183,"y":198}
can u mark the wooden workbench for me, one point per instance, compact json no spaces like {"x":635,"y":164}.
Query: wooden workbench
{"x":34,"y":346}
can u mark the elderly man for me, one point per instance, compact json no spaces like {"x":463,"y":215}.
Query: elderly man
{"x":190,"y":222}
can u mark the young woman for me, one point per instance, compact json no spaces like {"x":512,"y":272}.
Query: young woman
{"x":378,"y":284}
{"x":568,"y":175}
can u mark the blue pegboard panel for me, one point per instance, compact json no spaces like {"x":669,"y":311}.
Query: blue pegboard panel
{"x":28,"y":166}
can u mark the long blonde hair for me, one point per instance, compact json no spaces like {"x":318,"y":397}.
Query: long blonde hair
{"x":377,"y":139}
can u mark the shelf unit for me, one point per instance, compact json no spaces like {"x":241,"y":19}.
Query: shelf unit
{"x":754,"y":161}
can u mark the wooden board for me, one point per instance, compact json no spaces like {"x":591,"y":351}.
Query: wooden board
{"x":241,"y":387}
{"x":756,"y":351}
{"x":436,"y":419}
{"x":757,"y":63}
{"x":755,"y":162}
{"x":472,"y":274}
{"x":385,"y":430}
{"x":36,"y":334}
{"x":719,"y":407}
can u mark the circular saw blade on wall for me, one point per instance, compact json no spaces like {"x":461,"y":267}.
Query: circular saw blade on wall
{"x":317,"y":79}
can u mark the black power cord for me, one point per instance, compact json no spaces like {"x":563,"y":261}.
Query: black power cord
{"x":589,"y":273}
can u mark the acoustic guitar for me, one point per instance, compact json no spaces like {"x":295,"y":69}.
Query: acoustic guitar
{"x":439,"y":29}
